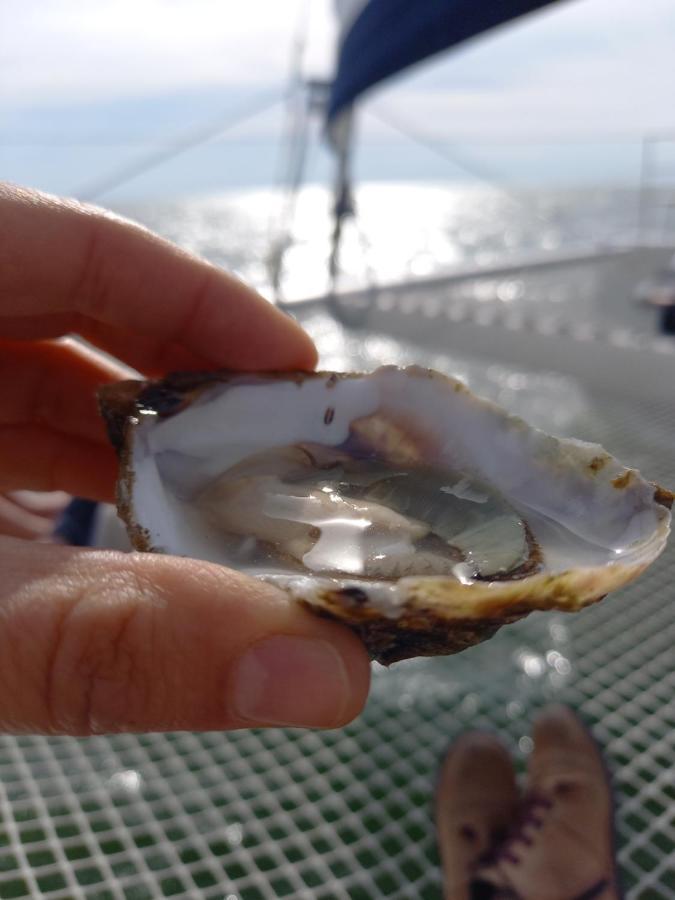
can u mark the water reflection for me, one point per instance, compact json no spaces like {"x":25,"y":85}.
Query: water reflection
{"x":128,"y":782}
{"x":558,"y":662}
{"x":555,"y":403}
{"x":559,"y":632}
{"x":550,"y":668}
{"x":234,"y":834}
{"x":532,"y":664}
{"x":526,"y":744}
{"x":514,"y":709}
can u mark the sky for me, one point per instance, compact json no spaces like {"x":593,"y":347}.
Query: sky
{"x":90,"y":87}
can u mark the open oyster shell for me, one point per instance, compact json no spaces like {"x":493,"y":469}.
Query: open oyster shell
{"x":397,"y":501}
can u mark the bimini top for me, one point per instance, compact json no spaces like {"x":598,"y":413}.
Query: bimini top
{"x":382,"y":37}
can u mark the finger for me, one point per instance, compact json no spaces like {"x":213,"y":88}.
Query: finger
{"x":38,"y":458}
{"x":54,"y":384}
{"x":60,"y":257}
{"x":51,"y":434}
{"x":23,"y":328}
{"x":132,"y":642}
{"x":47,"y":505}
{"x":145,"y":354}
{"x":22,"y":523}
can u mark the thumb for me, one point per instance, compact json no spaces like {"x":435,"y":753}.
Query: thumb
{"x":94,"y":641}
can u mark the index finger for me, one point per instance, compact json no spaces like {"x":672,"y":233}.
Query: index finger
{"x":62,"y":258}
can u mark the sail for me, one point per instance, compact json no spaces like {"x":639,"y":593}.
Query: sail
{"x":381,"y":37}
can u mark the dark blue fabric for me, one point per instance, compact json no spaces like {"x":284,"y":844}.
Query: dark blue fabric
{"x":389,"y":35}
{"x":76,"y":523}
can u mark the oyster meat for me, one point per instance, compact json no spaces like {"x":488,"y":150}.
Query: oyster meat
{"x":396,"y":501}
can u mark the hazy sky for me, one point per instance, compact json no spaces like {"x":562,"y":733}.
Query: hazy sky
{"x":86,"y":86}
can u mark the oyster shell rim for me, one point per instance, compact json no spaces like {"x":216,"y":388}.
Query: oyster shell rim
{"x":438,"y":614}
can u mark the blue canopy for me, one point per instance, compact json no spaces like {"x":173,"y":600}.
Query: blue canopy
{"x":389,"y":35}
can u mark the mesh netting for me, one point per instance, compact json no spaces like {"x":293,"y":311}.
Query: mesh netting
{"x":347,"y":814}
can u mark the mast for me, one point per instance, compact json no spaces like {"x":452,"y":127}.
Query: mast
{"x":343,"y":196}
{"x":378,"y":39}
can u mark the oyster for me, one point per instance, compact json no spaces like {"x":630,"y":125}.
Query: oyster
{"x":397,"y":501}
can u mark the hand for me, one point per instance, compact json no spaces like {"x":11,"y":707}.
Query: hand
{"x":99,"y":641}
{"x":30,"y":515}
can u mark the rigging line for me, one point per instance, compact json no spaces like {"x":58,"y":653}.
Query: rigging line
{"x":488,"y":177}
{"x":301,"y":149}
{"x":187,"y":141}
{"x":297,"y":138}
{"x":292,"y":99}
{"x":291,"y":153}
{"x":19,"y":139}
{"x":284,"y":153}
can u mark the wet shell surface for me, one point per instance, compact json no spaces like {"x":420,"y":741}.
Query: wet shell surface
{"x":397,"y":501}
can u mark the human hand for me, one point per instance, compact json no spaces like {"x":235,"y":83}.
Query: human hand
{"x":30,"y":515}
{"x":100,"y":641}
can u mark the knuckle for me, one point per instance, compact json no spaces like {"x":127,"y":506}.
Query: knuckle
{"x":102,"y":674}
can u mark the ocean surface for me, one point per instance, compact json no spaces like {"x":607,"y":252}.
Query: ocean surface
{"x":407,"y":230}
{"x":403,"y":229}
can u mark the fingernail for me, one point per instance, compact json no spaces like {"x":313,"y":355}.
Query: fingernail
{"x":292,"y":681}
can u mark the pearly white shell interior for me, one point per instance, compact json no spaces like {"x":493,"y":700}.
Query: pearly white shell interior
{"x":583,"y":507}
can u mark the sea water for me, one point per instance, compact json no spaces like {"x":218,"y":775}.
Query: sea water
{"x":403,"y":230}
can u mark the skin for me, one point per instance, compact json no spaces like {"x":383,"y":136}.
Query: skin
{"x":31,"y":515}
{"x":100,"y":641}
